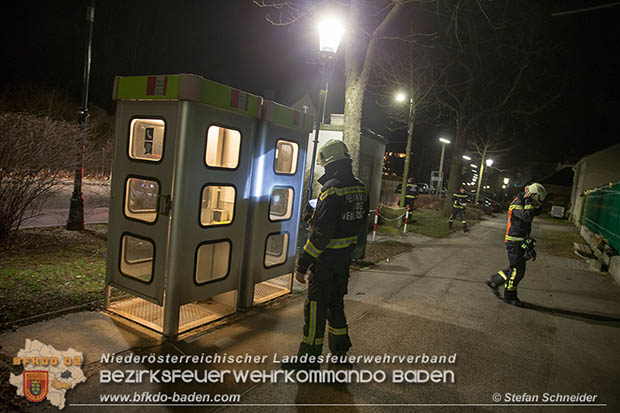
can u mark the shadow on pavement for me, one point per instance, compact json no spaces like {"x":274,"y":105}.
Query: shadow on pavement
{"x":588,"y":318}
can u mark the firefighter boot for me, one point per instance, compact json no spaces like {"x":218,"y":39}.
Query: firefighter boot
{"x":450,"y":224}
{"x":465,"y":227}
{"x":510,"y":297}
{"x":494,"y":288}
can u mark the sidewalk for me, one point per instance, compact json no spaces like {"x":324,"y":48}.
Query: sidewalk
{"x":431,"y":301}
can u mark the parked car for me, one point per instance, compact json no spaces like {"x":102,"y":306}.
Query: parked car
{"x":423,"y":188}
{"x":485,"y":201}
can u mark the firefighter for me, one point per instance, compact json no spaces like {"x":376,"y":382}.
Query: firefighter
{"x":411,"y":194}
{"x":459,"y":200}
{"x":519,"y":245}
{"x":340,"y":214}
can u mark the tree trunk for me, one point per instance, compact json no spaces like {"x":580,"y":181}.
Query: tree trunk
{"x":354,"y":98}
{"x":455,"y":169}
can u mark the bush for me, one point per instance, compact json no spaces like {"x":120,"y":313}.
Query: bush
{"x":35,"y":152}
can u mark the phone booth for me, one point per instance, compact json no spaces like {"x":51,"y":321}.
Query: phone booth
{"x":180,"y":197}
{"x":280,"y":156}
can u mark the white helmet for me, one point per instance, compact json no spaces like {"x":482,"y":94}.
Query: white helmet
{"x":537,"y":192}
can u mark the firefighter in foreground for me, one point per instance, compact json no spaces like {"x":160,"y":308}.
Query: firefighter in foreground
{"x":518,"y":242}
{"x":340,"y":214}
{"x":459,"y":200}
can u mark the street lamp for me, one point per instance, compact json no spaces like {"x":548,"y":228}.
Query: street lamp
{"x":467,"y":158}
{"x":489,"y":163}
{"x":444,"y":142}
{"x":506,"y":181}
{"x":330,"y":31}
{"x":75,"y":221}
{"x":402,"y":97}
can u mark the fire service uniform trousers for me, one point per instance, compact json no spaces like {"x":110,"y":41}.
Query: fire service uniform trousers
{"x":459,"y":215}
{"x":328,"y":281}
{"x":511,"y":276}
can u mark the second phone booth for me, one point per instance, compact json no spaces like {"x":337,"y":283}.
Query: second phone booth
{"x":182,"y":198}
{"x":277,"y":182}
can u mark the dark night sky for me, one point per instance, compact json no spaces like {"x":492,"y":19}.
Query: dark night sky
{"x":229,"y":41}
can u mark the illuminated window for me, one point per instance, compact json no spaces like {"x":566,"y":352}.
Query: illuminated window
{"x":146,"y":139}
{"x":286,"y":157}
{"x":276,"y":249}
{"x":141,"y":199}
{"x":217,"y":205}
{"x":212,"y":261}
{"x":137,"y":258}
{"x":223,"y":147}
{"x":281,"y":203}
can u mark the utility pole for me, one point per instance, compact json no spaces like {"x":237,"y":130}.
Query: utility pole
{"x":75,"y":222}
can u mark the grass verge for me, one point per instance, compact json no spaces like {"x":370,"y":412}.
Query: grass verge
{"x":428,"y":222}
{"x":48,"y":269}
{"x":559,"y":243}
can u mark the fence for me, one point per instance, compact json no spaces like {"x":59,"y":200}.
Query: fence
{"x":601,"y":212}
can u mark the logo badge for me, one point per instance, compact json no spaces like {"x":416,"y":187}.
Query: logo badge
{"x":35,"y":385}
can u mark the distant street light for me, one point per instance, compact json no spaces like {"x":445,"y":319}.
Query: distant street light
{"x":444,"y":142}
{"x":467,"y":158}
{"x":473,"y":165}
{"x":506,"y":181}
{"x":489,"y":162}
{"x":401,"y":97}
{"x":330,"y":32}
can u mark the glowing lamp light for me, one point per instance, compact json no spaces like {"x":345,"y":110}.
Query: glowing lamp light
{"x":467,"y":158}
{"x":331,"y":30}
{"x":473,"y":165}
{"x":489,"y":162}
{"x":506,"y":181}
{"x":444,"y":140}
{"x":401,"y":97}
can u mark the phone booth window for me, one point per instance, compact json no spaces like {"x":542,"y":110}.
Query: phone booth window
{"x":223,"y":147}
{"x":276,"y":249}
{"x":146,"y":139}
{"x":217,"y":206}
{"x":286,"y":157}
{"x":281,"y":203}
{"x":212,"y":261}
{"x":137,"y":258}
{"x":141,"y":199}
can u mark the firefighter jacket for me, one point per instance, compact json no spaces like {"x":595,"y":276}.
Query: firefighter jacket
{"x":411,"y":192}
{"x":340,"y":214}
{"x":520,"y":215}
{"x":459,"y":200}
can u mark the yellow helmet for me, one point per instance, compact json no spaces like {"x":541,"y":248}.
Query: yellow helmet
{"x":537,"y":192}
{"x":333,"y":150}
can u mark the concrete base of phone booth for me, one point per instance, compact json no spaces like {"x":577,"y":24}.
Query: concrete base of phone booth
{"x":273,"y":288}
{"x":191,"y":315}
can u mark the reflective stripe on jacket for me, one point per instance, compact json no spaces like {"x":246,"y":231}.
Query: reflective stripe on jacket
{"x":520,"y":215}
{"x":341,"y":211}
{"x":459,"y":200}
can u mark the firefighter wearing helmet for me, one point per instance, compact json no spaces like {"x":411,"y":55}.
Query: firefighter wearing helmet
{"x":340,"y":214}
{"x":518,"y":242}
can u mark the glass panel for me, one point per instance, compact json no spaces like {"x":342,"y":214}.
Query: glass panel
{"x":281,"y":203}
{"x":218,"y":205}
{"x":275,"y":251}
{"x":286,"y":157}
{"x":223,"y":146}
{"x":212,"y":261}
{"x":137,"y":258}
{"x":146,"y":139}
{"x":141,"y":199}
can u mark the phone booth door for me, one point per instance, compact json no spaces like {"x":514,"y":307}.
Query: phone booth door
{"x":141,"y":190}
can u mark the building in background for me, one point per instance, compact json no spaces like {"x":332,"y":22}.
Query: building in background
{"x":593,"y":171}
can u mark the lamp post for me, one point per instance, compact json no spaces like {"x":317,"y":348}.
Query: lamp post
{"x":401,"y":97}
{"x":489,"y":163}
{"x":444,"y":142}
{"x":75,"y":221}
{"x":330,"y":32}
